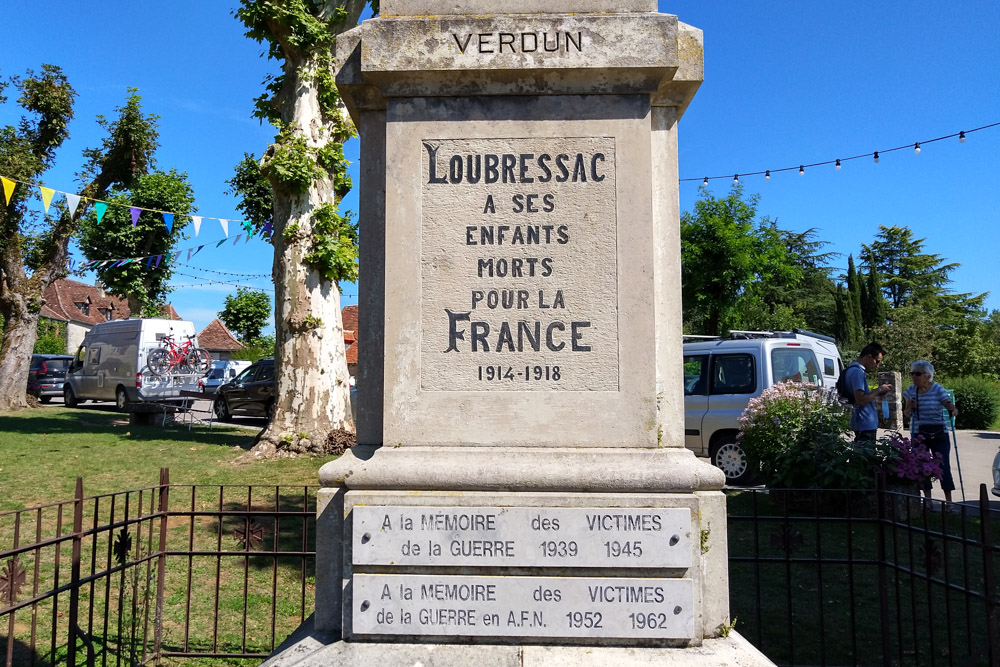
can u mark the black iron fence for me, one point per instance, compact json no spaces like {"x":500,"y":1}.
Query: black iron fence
{"x":172,"y":570}
{"x":865,"y":578}
{"x":817,"y":578}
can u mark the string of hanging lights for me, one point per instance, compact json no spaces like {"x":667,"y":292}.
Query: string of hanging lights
{"x":838,"y":162}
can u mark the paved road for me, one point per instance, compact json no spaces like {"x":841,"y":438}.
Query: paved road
{"x":976,"y":450}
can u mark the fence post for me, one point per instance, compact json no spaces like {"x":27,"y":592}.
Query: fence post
{"x":74,"y":591}
{"x":992,"y":595}
{"x":883,"y":578}
{"x":161,"y":562}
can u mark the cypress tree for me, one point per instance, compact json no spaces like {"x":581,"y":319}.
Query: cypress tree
{"x":873,"y":308}
{"x":854,"y":288}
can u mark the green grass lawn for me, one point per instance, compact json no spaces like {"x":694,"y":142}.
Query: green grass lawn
{"x":43,"y":451}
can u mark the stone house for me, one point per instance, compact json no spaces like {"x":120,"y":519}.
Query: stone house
{"x":350,"y":316}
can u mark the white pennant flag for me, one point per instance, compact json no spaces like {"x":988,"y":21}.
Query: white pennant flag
{"x":72,"y":201}
{"x":196,"y":219}
{"x":225,"y":226}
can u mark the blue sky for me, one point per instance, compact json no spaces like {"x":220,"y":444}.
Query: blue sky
{"x":786,"y":83}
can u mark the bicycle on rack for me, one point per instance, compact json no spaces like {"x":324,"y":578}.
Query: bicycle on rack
{"x":172,"y":359}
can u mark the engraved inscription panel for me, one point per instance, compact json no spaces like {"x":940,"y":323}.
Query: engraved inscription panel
{"x":397,"y":604}
{"x":522,"y":536}
{"x":519,"y":269}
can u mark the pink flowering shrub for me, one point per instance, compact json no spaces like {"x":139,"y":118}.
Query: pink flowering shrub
{"x":911,"y":460}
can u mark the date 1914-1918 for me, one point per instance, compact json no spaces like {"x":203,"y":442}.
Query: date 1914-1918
{"x":511,"y":374}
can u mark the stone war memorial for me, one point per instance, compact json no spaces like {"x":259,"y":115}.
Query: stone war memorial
{"x":520,"y":493}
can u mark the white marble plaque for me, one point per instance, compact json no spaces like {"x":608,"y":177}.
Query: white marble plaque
{"x":522,"y":536}
{"x":404,"y":604}
{"x":519,"y":269}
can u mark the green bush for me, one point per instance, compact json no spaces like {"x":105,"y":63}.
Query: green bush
{"x":977,"y":400}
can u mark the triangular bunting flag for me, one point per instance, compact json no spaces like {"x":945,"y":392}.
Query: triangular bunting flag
{"x":100,"y":207}
{"x":225,"y":226}
{"x":249,"y":236}
{"x":8,"y":188}
{"x":158,"y":258}
{"x":72,"y":201}
{"x":135,"y":214}
{"x":220,"y":242}
{"x":237,"y":239}
{"x":198,"y":250}
{"x":196,"y":219}
{"x":268,"y":227}
{"x":167,"y":257}
{"x":168,"y":220}
{"x":190,"y":250}
{"x":248,"y":226}
{"x":46,"y":196}
{"x":149,"y":261}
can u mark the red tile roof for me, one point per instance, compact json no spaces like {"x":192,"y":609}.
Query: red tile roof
{"x":352,"y":354}
{"x":169,"y":313}
{"x":217,"y":338}
{"x":69,"y":300}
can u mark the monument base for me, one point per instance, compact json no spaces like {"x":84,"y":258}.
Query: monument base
{"x":307,"y":648}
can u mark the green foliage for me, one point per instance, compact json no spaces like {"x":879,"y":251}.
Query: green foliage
{"x":724,"y":253}
{"x":143,"y":284}
{"x":51,"y":337}
{"x":972,"y":347}
{"x":246,"y":314}
{"x":977,"y":400}
{"x":795,"y":433}
{"x":854,"y":297}
{"x":129,"y":148}
{"x":334,"y":251}
{"x":915,"y":278}
{"x":873,"y":307}
{"x":260,"y":347}
{"x":255,"y":197}
{"x":331,"y":158}
{"x":907,"y":337}
{"x":292,"y":165}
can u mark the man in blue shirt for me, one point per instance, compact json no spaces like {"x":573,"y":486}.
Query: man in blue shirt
{"x":864,"y":419}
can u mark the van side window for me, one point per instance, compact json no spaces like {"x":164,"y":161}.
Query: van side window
{"x":794,"y":364}
{"x":828,"y":367}
{"x":733,"y":374}
{"x":695,"y":375}
{"x":95,"y":356}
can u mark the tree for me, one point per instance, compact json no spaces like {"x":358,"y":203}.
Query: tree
{"x":915,"y":278}
{"x":33,"y":250}
{"x":315,"y":247}
{"x":855,"y":294}
{"x":907,"y":336}
{"x":873,"y":308}
{"x":246,"y":314}
{"x":724,"y":253}
{"x":144,"y":284}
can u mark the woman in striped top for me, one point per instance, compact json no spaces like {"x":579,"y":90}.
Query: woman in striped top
{"x":924,"y":400}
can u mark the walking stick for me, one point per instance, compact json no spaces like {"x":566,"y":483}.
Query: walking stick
{"x":958,"y":461}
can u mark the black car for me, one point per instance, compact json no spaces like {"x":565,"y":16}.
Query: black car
{"x":250,"y":393}
{"x":47,"y":374}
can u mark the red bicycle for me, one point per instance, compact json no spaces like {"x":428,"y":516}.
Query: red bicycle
{"x":178,"y":359}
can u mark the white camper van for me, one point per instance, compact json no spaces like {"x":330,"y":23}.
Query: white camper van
{"x":110,"y":365}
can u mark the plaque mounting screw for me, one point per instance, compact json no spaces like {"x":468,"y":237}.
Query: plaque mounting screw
{"x":365,"y":538}
{"x":674,"y":540}
{"x":366,"y":604}
{"x":677,"y":610}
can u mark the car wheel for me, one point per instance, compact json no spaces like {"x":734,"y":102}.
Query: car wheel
{"x":730,"y":458}
{"x":69,"y":398}
{"x":45,"y":399}
{"x":222,"y":412}
{"x":121,"y":399}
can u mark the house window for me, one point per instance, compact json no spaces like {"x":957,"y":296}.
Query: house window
{"x":105,"y":313}
{"x":83,"y":307}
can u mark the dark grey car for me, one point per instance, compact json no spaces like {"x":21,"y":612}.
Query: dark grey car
{"x":251,"y":393}
{"x":48,"y":371}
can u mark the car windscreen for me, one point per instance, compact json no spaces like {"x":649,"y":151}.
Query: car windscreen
{"x":217,"y":374}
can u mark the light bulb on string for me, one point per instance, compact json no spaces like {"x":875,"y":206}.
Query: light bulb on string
{"x":916,"y":148}
{"x":802,"y":170}
{"x":736,"y":179}
{"x":961,"y":137}
{"x":767,"y":175}
{"x":704,"y":183}
{"x":838,"y":164}
{"x":876,"y":157}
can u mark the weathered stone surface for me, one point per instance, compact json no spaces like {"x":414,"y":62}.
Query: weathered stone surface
{"x":478,"y":7}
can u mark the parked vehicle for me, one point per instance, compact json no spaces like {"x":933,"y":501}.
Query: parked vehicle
{"x":47,"y":375}
{"x":721,"y":376}
{"x":220,"y":373}
{"x":110,"y":365}
{"x":252,"y":392}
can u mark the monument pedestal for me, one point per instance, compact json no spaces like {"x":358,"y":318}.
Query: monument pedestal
{"x":520,"y":493}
